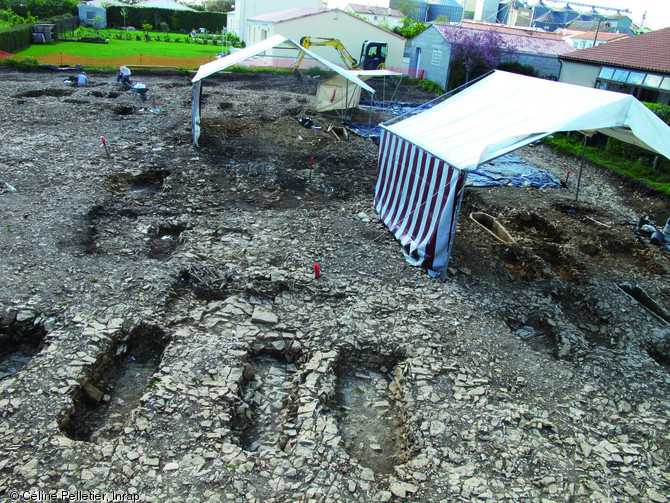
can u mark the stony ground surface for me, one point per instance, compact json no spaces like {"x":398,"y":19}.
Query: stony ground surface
{"x":164,"y":338}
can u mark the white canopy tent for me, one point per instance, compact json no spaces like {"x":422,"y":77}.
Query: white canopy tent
{"x":238,"y":56}
{"x":424,"y":160}
{"x":336,"y":94}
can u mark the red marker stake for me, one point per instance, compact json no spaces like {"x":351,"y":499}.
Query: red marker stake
{"x":104,"y":144}
{"x":317,"y":271}
{"x":311,"y":164}
{"x":568,"y":175}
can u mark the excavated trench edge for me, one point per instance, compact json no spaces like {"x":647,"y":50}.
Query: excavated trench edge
{"x":122,"y":373}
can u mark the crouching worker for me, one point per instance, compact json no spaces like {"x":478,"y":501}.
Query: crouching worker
{"x":123,"y":76}
{"x":82,"y":80}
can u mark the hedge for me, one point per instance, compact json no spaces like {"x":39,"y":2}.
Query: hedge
{"x":176,"y":19}
{"x":42,"y":9}
{"x":15,"y":38}
{"x":633,"y":153}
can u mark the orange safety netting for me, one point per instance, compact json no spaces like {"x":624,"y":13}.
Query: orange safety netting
{"x":63,"y":59}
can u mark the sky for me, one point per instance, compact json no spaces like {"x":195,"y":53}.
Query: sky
{"x":658,"y":11}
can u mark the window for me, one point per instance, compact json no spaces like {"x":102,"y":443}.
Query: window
{"x":620,"y":75}
{"x":437,"y":57}
{"x":606,"y":73}
{"x":647,"y":87}
{"x":650,"y":95}
{"x":653,"y":81}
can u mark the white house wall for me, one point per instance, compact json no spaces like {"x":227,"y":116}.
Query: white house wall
{"x":378,"y":20}
{"x":257,"y":32}
{"x":424,"y":49}
{"x":487,"y":10}
{"x":348,"y":29}
{"x":579,"y":73}
{"x":89,"y":13}
{"x":246,"y":9}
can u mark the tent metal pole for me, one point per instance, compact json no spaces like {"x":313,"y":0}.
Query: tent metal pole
{"x":452,"y":234}
{"x":367,"y":139}
{"x":581,"y":167}
{"x":346,"y":99}
{"x":397,"y":86}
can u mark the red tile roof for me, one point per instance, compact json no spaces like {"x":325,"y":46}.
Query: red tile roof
{"x":525,"y":44}
{"x":514,"y":30}
{"x":281,"y":16}
{"x":591,"y":35}
{"x":377,"y":11}
{"x":649,"y":51}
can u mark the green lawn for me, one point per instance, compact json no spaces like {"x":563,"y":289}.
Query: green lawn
{"x":119,"y":48}
{"x":638,"y":170}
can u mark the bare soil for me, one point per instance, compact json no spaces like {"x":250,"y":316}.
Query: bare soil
{"x":538,"y":371}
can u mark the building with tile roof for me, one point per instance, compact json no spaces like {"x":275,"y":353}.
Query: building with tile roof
{"x":381,"y":16}
{"x":586,"y":39}
{"x":430,"y":51}
{"x":349,"y":29}
{"x":93,"y":14}
{"x":638,"y":65}
{"x":515,"y":30}
{"x":238,"y":20}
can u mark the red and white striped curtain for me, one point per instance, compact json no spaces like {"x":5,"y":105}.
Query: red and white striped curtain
{"x":418,"y":197}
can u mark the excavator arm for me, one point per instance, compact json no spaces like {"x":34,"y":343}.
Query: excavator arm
{"x":308,"y":42}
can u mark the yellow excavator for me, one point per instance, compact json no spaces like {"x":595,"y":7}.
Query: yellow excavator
{"x":373,"y":54}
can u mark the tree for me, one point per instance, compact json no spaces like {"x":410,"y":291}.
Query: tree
{"x":219,"y":5}
{"x":124,"y":13}
{"x":409,"y":28}
{"x":97,"y":22}
{"x":473,"y":53}
{"x":41,"y":9}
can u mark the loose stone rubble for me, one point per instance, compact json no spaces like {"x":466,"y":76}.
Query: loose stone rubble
{"x":528,"y":375}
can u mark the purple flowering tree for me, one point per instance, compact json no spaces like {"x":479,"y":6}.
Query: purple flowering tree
{"x":475,"y":52}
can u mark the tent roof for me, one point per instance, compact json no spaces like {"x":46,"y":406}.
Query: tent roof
{"x":506,"y":111}
{"x":375,"y":73}
{"x":238,"y":56}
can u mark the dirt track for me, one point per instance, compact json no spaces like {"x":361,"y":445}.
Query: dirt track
{"x":175,"y":286}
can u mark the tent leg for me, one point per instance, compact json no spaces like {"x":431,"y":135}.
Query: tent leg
{"x":367,"y":139}
{"x":453,"y":230}
{"x":396,"y":88}
{"x":581,"y":167}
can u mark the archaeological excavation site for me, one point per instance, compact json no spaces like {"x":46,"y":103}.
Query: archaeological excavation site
{"x":164,"y":335}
